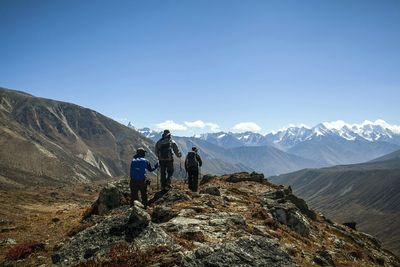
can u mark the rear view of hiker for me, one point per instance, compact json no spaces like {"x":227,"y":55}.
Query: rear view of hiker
{"x":192,"y":164}
{"x":139,"y":181}
{"x":165,"y":150}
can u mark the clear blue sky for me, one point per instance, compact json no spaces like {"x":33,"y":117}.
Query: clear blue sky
{"x":225,"y":62}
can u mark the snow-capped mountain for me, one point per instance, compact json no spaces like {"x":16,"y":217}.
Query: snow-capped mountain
{"x":367,"y":131}
{"x":286,"y":138}
{"x":250,"y":138}
{"x":328,"y":143}
{"x":226,"y":140}
{"x":147,"y":132}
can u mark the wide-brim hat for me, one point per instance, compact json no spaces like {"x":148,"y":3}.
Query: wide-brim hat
{"x":141,"y":150}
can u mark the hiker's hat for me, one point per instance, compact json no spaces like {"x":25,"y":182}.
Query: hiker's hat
{"x":141,"y":151}
{"x":195,"y":149}
{"x":166,"y":133}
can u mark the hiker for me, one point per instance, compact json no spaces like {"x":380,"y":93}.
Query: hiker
{"x":165,"y":147}
{"x":192,"y":164}
{"x":138,"y":181}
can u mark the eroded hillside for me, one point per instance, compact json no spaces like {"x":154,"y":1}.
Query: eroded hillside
{"x":47,"y":142}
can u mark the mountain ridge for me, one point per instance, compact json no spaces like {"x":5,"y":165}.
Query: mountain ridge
{"x":61,"y":142}
{"x":326,"y":144}
{"x":367,"y":193}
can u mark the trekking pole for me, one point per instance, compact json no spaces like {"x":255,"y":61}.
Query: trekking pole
{"x":180,"y":165}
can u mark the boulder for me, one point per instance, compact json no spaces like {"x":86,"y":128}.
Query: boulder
{"x":211,"y":190}
{"x":128,"y":224}
{"x":173,"y":196}
{"x":293,"y":219}
{"x":206,"y":178}
{"x":162,"y":214}
{"x":281,"y":197}
{"x":246,"y":251}
{"x":246,"y":177}
{"x":352,"y":225}
{"x":302,"y":206}
{"x":109,"y":198}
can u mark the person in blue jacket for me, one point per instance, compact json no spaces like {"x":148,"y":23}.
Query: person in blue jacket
{"x":139,"y":181}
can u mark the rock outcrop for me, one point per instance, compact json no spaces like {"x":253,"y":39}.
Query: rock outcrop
{"x":240,"y":221}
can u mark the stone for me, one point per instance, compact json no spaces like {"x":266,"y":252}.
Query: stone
{"x":162,"y":214}
{"x":352,"y":225}
{"x":187,"y":212}
{"x":338,"y":243}
{"x":302,"y":206}
{"x":7,"y":229}
{"x":211,"y":190}
{"x":138,"y":204}
{"x":292,"y":218}
{"x":91,"y":251}
{"x":193,"y":234}
{"x":173,"y":196}
{"x":246,"y":177}
{"x":109,"y":198}
{"x":237,"y":220}
{"x":217,"y":222}
{"x":7,"y":242}
{"x":246,"y":251}
{"x":206,"y":179}
{"x":128,"y":224}
{"x":324,"y":258}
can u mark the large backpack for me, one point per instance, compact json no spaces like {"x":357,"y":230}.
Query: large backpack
{"x":191,"y":161}
{"x":165,"y":149}
{"x":138,"y":169}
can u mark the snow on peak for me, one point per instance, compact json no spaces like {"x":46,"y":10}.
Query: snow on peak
{"x":221,"y":135}
{"x":336,"y":125}
{"x":292,"y":126}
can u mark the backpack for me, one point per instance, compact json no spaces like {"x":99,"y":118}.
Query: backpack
{"x":165,"y":150}
{"x":191,"y":161}
{"x":138,"y":169}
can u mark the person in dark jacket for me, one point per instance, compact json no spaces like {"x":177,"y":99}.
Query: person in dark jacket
{"x":165,"y":150}
{"x":193,"y":163}
{"x":138,"y":181}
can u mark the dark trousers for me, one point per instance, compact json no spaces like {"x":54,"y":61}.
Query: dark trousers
{"x":167,"y":170}
{"x":193,"y":180}
{"x":137,"y":186}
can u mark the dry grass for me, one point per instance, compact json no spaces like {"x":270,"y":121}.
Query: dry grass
{"x":44,"y":214}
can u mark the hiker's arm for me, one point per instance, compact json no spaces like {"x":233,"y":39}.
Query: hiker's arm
{"x":199,"y":160}
{"x":186,"y":163}
{"x":176,"y":149}
{"x":131,"y":170}
{"x":157,"y":149}
{"x":151,"y":169}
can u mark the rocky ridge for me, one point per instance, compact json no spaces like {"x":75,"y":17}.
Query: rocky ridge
{"x":235,"y":220}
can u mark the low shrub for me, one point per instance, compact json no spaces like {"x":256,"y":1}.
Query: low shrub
{"x":23,"y":250}
{"x":123,"y":255}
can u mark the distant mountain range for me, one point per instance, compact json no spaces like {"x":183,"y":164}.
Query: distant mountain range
{"x":326,"y":144}
{"x":368,"y":193}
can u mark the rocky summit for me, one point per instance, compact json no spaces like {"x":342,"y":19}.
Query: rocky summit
{"x":234,"y":220}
